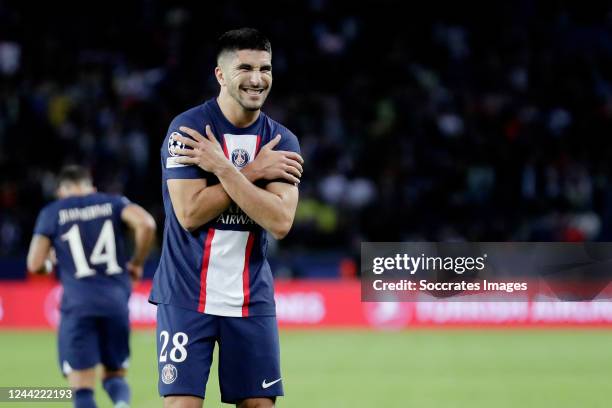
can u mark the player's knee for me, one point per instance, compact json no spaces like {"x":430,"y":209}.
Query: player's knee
{"x":256,"y":403}
{"x":108,"y":373}
{"x":183,"y":401}
{"x":82,"y":378}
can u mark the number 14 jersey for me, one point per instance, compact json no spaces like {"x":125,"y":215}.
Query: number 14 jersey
{"x":88,"y":236}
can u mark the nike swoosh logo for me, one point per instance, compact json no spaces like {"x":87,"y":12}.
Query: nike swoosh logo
{"x":264,"y":384}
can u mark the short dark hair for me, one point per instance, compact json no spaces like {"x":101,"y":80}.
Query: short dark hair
{"x":74,"y":174}
{"x":242,"y":39}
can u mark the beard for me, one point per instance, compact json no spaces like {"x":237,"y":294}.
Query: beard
{"x":251,"y":108}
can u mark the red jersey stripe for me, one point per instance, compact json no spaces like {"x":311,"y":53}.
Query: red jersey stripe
{"x":225,"y":147}
{"x":246,"y":276}
{"x":257,"y":145}
{"x":204,"y":270}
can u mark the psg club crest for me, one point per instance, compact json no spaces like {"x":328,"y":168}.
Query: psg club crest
{"x":168,"y":374}
{"x":174,"y":144}
{"x":240,"y":158}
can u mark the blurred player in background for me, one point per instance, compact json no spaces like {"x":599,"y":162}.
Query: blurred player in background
{"x":86,"y":230}
{"x":222,"y":193}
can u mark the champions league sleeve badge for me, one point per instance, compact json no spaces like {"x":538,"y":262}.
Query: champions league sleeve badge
{"x":174,"y":144}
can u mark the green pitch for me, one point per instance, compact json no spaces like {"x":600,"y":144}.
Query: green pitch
{"x":438,"y":368}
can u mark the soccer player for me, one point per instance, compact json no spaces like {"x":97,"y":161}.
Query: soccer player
{"x":86,"y":229}
{"x":229,"y":176}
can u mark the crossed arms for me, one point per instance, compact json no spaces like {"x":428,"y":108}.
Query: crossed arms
{"x":273,"y":208}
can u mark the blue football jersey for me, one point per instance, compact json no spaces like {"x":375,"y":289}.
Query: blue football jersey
{"x":88,"y":236}
{"x":221,"y":268}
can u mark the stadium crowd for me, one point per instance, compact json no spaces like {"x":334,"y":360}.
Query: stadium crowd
{"x":445,"y":125}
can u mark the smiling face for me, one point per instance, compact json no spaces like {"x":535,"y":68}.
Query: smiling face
{"x":246,"y":76}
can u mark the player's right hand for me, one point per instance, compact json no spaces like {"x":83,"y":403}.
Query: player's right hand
{"x":135,"y":272}
{"x":272,"y":164}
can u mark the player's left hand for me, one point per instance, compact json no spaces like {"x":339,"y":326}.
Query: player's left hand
{"x":50,"y":262}
{"x":135,"y":271}
{"x":205,"y":152}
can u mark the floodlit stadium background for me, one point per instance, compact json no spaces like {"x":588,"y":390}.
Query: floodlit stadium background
{"x":490,"y":123}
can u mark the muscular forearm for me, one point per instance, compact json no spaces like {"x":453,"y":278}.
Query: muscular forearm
{"x":211,"y":201}
{"x":143,"y":240}
{"x":38,"y":254}
{"x":206,"y":204}
{"x":265,"y":208}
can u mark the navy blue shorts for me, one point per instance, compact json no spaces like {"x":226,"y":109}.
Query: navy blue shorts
{"x":249,"y":354}
{"x":85,"y":341}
